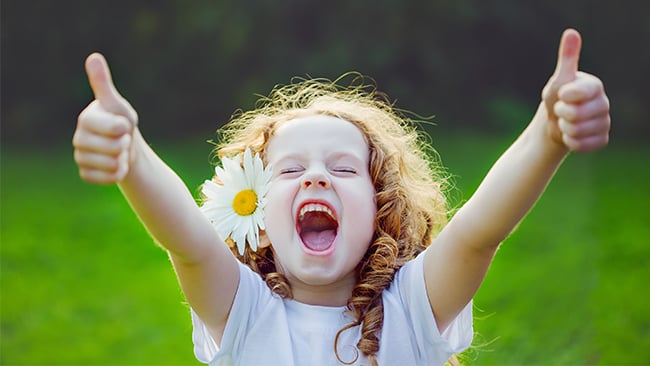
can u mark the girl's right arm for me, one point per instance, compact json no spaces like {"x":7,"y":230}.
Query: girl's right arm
{"x":110,"y":149}
{"x":572,"y":116}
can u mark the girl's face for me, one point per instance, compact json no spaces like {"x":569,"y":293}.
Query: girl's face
{"x":320,"y":210}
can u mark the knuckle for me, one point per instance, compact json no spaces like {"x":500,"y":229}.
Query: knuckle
{"x":78,"y":157}
{"x":607,"y":125}
{"x":86,"y":175}
{"x":547,"y":91}
{"x":75,"y":139}
{"x":119,"y":126}
{"x":568,"y":141}
{"x":96,"y":176}
{"x":567,"y":128}
{"x":606,"y":102}
{"x":113,"y":165}
{"x":80,"y":139}
{"x":86,"y":114}
{"x":125,"y":142}
{"x":120,"y":146}
{"x":135,"y":117}
{"x":565,"y":111}
{"x":112,"y":147}
{"x":82,"y":118}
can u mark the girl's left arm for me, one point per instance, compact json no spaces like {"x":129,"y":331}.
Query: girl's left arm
{"x":573,"y":116}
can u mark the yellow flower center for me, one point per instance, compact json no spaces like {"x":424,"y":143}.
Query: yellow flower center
{"x":245,"y":202}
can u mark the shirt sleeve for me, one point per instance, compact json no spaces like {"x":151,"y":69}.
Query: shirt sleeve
{"x":249,"y":295}
{"x":409,"y":282}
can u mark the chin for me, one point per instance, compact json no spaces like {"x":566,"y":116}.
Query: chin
{"x":319,"y":276}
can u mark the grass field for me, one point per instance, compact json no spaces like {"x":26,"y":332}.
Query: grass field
{"x":83,"y":284}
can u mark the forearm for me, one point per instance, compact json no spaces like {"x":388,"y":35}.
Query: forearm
{"x":573,"y":115}
{"x":512,"y":186}
{"x":110,"y":149}
{"x":165,"y":206}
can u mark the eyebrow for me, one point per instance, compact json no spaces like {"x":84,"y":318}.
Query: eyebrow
{"x":346,"y":154}
{"x":333,"y":155}
{"x":291,"y":156}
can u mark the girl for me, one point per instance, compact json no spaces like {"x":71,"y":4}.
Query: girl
{"x":324,"y":238}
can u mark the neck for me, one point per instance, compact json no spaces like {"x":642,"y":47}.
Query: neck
{"x":334,"y":294}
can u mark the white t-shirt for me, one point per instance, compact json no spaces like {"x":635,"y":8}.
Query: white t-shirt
{"x":264,"y":329}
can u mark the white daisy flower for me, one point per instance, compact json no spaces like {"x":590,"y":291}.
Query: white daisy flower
{"x":236,"y":208}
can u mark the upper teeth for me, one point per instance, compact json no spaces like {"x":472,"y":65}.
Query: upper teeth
{"x":315,"y":207}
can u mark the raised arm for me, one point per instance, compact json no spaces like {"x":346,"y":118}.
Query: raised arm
{"x":573,"y":116}
{"x":110,"y":149}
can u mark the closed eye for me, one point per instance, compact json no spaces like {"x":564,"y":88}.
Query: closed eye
{"x":291,"y":170}
{"x":345,"y":170}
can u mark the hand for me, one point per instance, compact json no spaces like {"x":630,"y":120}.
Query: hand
{"x":576,"y":104}
{"x":104,"y":136}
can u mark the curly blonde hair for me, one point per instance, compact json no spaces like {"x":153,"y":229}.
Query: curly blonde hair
{"x":409,"y":181}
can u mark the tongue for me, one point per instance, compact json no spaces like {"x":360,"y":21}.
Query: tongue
{"x":318,"y":240}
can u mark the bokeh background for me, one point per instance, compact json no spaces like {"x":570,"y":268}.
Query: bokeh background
{"x":83,"y":284}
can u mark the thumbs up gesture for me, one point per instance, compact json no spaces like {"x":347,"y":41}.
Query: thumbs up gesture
{"x":576,"y":105}
{"x":104,"y":136}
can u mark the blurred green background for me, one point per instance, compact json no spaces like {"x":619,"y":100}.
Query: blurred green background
{"x":83,"y":284}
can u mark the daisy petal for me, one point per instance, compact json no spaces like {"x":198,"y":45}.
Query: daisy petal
{"x":218,"y":205}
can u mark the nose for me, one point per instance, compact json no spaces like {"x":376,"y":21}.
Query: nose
{"x":315,"y":179}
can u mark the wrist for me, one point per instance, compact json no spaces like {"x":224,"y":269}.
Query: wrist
{"x":136,"y":154}
{"x":546,"y":133}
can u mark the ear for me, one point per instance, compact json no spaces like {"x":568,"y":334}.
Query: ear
{"x":264,"y":240}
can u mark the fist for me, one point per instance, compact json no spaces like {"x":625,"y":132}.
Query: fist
{"x":103,"y":138}
{"x":576,"y":104}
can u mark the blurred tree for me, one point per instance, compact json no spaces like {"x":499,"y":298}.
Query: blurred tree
{"x":186,"y":66}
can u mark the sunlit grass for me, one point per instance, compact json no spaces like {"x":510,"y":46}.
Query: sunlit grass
{"x":82,"y":283}
{"x":568,"y":286}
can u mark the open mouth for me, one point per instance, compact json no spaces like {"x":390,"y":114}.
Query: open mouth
{"x":317,"y":226}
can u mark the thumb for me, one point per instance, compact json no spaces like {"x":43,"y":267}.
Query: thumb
{"x":565,"y":71}
{"x":568,"y":57}
{"x":101,"y":82}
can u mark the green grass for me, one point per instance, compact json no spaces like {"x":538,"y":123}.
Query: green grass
{"x":83,"y":284}
{"x":569,"y":285}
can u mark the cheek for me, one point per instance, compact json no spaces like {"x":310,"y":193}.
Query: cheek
{"x":364,"y":213}
{"x":368,"y":205}
{"x":372,"y":212}
{"x":277,"y":212}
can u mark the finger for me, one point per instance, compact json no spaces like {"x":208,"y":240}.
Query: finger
{"x":101,"y":169}
{"x":97,"y":120}
{"x":101,"y":82}
{"x":100,"y":177}
{"x":592,"y":127}
{"x":580,"y":112}
{"x":584,"y":87}
{"x":586,"y":144}
{"x":568,"y":56}
{"x":566,"y":69}
{"x":123,"y":165}
{"x":86,"y":141}
{"x":94,"y":161}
